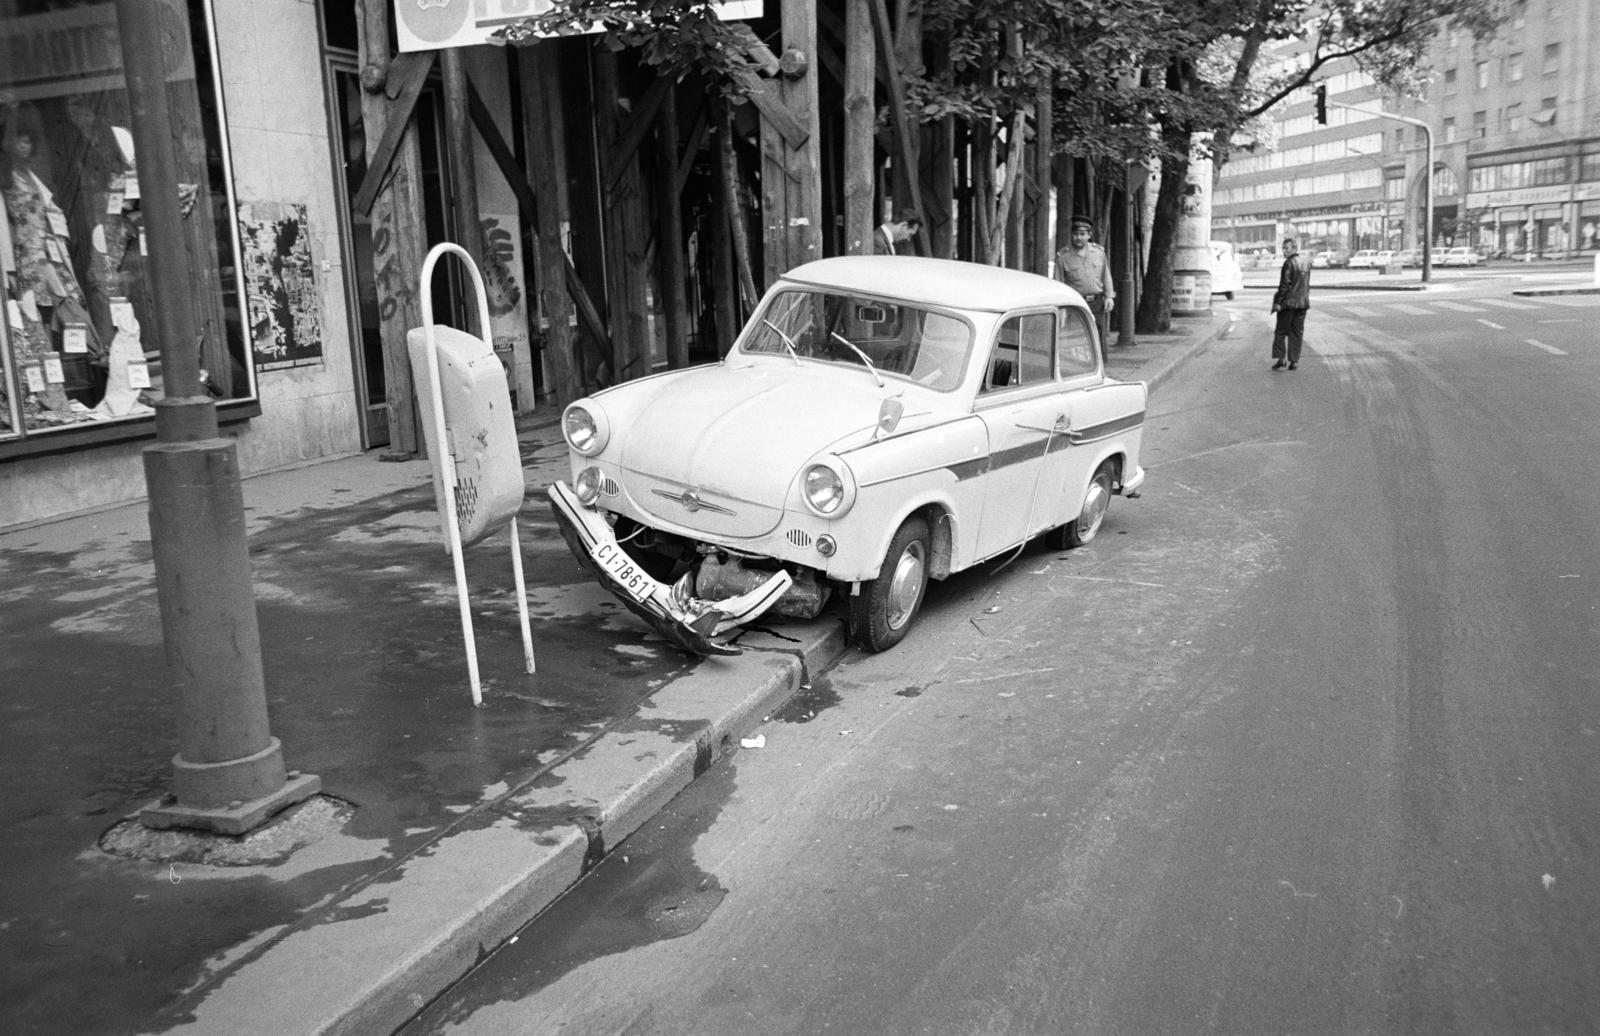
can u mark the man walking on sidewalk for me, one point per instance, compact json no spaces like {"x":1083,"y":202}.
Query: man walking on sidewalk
{"x":1290,"y":303}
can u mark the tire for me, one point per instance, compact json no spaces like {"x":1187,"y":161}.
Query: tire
{"x":885,"y":609}
{"x":1086,"y":526}
{"x":1228,"y":295}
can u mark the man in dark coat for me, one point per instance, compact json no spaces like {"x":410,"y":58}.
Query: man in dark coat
{"x":1290,"y":302}
{"x":904,"y":227}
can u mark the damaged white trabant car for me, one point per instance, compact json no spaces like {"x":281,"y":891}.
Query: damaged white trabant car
{"x":880,"y":422}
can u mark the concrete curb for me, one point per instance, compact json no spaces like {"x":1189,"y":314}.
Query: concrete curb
{"x":1558,"y":291}
{"x":370,"y":961}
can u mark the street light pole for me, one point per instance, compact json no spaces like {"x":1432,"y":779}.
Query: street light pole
{"x":1427,"y":181}
{"x":228,"y":775}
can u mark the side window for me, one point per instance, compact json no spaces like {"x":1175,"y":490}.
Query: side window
{"x":1075,"y":345}
{"x":1024,"y":352}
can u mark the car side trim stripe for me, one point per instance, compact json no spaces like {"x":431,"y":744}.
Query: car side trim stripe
{"x":965,"y":469}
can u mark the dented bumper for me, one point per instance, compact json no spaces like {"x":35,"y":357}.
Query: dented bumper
{"x":685,"y":621}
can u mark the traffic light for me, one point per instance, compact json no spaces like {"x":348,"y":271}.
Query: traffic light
{"x":1322,"y":105}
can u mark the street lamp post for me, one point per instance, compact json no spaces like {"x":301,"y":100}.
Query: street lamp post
{"x":1427,"y":181}
{"x":229,"y":775}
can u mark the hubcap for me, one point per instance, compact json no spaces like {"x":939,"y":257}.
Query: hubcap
{"x":906,"y":586}
{"x":1094,"y":508}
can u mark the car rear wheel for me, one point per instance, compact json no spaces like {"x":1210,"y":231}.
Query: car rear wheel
{"x":882,"y":613}
{"x":1083,"y":528}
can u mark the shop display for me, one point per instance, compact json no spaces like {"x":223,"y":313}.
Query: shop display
{"x":71,"y":260}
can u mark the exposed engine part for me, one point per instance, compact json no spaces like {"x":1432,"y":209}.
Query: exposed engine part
{"x":721,"y":577}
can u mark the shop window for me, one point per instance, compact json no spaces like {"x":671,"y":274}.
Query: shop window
{"x":78,"y":339}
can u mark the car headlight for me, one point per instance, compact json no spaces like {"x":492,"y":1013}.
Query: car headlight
{"x":585,"y":427}
{"x":828,"y":490}
{"x":587,"y":485}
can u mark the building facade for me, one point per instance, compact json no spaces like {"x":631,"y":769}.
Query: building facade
{"x":1515,"y":122}
{"x":261,"y":223}
{"x":291,"y":278}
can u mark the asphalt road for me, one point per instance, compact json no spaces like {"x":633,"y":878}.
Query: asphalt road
{"x":1306,"y":742}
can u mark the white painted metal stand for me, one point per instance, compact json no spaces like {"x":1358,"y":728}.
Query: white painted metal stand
{"x":446,"y":461}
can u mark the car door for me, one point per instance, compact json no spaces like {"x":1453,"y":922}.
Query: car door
{"x":1085,"y":407}
{"x":1021,"y":409}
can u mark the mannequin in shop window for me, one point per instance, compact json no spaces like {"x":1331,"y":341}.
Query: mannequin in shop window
{"x":40,"y":280}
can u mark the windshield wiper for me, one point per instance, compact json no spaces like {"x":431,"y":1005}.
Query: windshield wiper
{"x":858,"y":352}
{"x":788,"y":343}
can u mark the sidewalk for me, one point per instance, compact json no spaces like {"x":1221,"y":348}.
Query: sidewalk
{"x":441,"y":828}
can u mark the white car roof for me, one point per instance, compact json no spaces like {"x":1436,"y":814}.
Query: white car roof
{"x":937,"y":282}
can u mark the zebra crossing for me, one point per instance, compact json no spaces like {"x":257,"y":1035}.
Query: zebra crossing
{"x":1371,"y":309}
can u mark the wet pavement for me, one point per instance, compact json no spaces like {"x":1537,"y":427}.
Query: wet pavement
{"x":367,"y":688}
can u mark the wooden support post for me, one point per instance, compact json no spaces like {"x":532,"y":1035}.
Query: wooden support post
{"x":669,"y":233}
{"x":463,"y":168}
{"x":625,"y":231}
{"x":546,"y":164}
{"x":860,"y":118}
{"x":1043,"y":140}
{"x":908,"y":184}
{"x":398,"y":224}
{"x":791,"y":182}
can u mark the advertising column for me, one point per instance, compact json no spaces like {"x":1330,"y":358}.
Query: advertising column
{"x":1191,"y":271}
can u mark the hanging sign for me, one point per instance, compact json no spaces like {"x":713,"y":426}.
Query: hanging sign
{"x":433,"y":24}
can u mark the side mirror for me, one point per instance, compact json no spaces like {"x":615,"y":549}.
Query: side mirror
{"x":889,"y":413}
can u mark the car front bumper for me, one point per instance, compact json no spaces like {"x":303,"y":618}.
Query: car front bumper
{"x":685,"y":621}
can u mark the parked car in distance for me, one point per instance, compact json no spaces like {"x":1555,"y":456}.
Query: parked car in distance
{"x":1384,"y":258}
{"x":1226,"y":276}
{"x":880,"y":422}
{"x":1461,"y":255}
{"x":1321,"y":260}
{"x":1408,"y":257}
{"x":1364,"y":259}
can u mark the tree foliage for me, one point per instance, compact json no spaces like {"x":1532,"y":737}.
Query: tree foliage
{"x":673,"y":36}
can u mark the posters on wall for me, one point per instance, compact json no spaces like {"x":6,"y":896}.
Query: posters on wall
{"x":502,"y":282}
{"x":280,"y":285}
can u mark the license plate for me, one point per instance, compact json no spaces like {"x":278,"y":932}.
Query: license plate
{"x":633,"y":579}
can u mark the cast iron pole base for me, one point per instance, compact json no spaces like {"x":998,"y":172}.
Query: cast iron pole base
{"x":239,"y":815}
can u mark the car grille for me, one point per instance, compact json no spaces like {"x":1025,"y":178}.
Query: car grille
{"x":706,"y":510}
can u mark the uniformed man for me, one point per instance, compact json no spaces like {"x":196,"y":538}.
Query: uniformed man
{"x":1083,"y":265}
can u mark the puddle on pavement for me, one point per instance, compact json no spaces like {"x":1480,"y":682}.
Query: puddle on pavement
{"x":646,"y":890}
{"x":809,"y":701}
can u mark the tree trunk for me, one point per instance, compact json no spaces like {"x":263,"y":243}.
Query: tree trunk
{"x":1155,"y":305}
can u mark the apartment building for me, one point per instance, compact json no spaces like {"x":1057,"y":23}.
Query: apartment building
{"x":1515,"y":123}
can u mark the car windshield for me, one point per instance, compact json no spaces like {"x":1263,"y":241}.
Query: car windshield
{"x":891,"y":339}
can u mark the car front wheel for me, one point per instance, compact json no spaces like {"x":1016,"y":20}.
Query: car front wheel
{"x":882,"y":613}
{"x":1083,"y":528}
